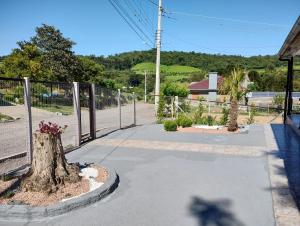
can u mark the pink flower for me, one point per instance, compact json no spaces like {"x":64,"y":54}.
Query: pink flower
{"x":50,"y":128}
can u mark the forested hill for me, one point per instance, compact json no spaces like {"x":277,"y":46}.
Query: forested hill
{"x":207,"y":62}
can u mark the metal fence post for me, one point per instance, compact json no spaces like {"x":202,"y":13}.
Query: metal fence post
{"x":176,"y":106}
{"x":77,"y":112}
{"x":92,"y":110}
{"x":134,"y":109}
{"x":27,"y":102}
{"x":119,"y":107}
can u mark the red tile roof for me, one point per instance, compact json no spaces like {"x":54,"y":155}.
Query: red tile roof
{"x":204,"y":84}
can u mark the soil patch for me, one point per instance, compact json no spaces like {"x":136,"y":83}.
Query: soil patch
{"x":202,"y":130}
{"x":11,"y":196}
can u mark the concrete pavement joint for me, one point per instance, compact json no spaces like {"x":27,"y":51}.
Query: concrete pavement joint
{"x":180,"y":146}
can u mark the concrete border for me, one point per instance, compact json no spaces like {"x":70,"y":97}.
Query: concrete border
{"x":26,"y":212}
{"x":285,"y":210}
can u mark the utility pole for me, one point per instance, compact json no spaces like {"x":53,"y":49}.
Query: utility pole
{"x":145,"y":72}
{"x":158,"y":45}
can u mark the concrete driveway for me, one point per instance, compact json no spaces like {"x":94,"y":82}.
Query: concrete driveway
{"x":174,"y":188}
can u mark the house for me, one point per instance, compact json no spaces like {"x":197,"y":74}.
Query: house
{"x":289,"y":51}
{"x":207,"y":87}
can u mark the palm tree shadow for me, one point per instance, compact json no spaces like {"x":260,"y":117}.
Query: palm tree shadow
{"x":213,"y":213}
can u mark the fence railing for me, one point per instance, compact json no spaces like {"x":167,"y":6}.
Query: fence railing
{"x":89,"y":111}
{"x":264,"y":113}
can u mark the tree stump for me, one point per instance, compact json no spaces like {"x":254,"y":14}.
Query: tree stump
{"x":49,"y":169}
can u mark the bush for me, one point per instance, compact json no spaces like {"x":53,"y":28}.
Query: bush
{"x":173,"y":89}
{"x":161,"y":108}
{"x":278,"y":100}
{"x":184,"y":121}
{"x":198,"y":114}
{"x":211,"y":120}
{"x":251,"y":116}
{"x":185,"y":106}
{"x":170,"y":125}
{"x":224,"y":118}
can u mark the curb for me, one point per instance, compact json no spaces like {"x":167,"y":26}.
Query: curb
{"x":26,"y":212}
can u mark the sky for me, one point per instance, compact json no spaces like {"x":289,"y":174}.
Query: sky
{"x":235,"y":27}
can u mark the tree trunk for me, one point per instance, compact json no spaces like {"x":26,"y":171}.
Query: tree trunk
{"x":233,"y":125}
{"x":49,"y":168}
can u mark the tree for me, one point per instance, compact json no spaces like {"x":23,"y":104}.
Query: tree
{"x":253,"y":76}
{"x":91,"y":71}
{"x":24,"y":61}
{"x":233,"y":86}
{"x":57,"y":54}
{"x":173,"y":89}
{"x":134,"y":79}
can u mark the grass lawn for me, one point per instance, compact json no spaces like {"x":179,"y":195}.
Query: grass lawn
{"x":4,"y":117}
{"x":65,"y":110}
{"x":169,"y":70}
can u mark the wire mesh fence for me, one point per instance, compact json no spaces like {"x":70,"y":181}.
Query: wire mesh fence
{"x":107,"y":111}
{"x":100,"y":110}
{"x":13,"y":125}
{"x":248,"y":114}
{"x":127,"y":110}
{"x":53,"y":102}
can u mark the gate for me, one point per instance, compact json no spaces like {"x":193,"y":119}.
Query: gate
{"x":87,"y":106}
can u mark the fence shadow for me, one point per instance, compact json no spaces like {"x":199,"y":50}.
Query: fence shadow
{"x":213,"y":213}
{"x":288,"y":143}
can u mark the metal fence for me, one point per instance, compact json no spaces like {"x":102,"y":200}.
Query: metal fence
{"x":272,"y":94}
{"x":173,"y":106}
{"x":87,"y":110}
{"x":13,"y":125}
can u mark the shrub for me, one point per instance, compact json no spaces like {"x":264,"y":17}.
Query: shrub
{"x":198,"y":114}
{"x":224,"y":118}
{"x":161,"y":108}
{"x":278,"y":100}
{"x":211,"y":120}
{"x":251,"y":116}
{"x":174,"y":89}
{"x":184,"y":121}
{"x":185,"y":106}
{"x":170,"y":125}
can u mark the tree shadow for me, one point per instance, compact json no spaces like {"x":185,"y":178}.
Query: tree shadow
{"x":213,"y":213}
{"x":288,"y":143}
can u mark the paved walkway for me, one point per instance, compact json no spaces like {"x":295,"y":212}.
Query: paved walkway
{"x":160,"y":187}
{"x":13,"y":135}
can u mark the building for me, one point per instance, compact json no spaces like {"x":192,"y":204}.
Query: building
{"x":207,"y":87}
{"x":288,"y":52}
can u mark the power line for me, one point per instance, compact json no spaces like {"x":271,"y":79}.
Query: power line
{"x":226,"y":19}
{"x":128,"y":23}
{"x":146,"y":17}
{"x":132,"y":20}
{"x":152,"y":2}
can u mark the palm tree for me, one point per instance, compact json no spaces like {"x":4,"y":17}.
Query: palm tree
{"x":232,"y":85}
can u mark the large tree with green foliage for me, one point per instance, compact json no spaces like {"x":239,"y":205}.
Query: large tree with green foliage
{"x":24,"y":61}
{"x":57,"y":54}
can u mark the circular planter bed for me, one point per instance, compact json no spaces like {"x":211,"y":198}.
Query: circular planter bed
{"x":96,"y":183}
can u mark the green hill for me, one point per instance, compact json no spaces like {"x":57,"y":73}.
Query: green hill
{"x":168,"y":70}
